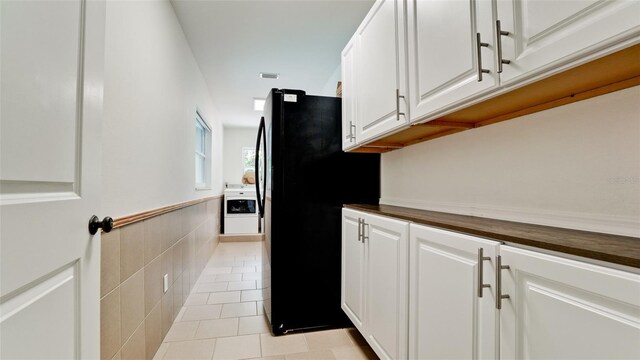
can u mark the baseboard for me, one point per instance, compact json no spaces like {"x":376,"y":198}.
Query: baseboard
{"x":618,"y":225}
{"x":241,"y":237}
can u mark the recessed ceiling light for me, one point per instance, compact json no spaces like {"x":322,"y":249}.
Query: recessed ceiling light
{"x":258,"y":104}
{"x":269,"y":75}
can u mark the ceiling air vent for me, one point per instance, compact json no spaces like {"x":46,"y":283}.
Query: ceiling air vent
{"x":269,"y":75}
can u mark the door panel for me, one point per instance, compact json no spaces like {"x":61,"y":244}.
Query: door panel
{"x":51,"y":110}
{"x":443,"y":58}
{"x":387,"y":282}
{"x":561,"y":308}
{"x":53,"y":299}
{"x":349,"y":103}
{"x":549,"y":305}
{"x":352,"y":268}
{"x":379,"y":47}
{"x":449,"y":319}
{"x":435,"y":31}
{"x":460,"y":329}
{"x":553,"y":33}
{"x":40,"y":95}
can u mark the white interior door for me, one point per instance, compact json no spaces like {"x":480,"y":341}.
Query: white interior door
{"x":51,"y":107}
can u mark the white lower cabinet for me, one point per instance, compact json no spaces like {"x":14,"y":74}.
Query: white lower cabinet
{"x":386,"y":242}
{"x":451,"y":295}
{"x":374,"y":280}
{"x":352,"y":290}
{"x":418,"y":292}
{"x":565,"y":309}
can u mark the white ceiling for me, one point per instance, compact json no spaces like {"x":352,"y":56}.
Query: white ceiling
{"x":233,"y":41}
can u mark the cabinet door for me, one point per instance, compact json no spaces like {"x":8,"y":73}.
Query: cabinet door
{"x":380,"y":54}
{"x":444,"y":66}
{"x":386,"y":293}
{"x":566,"y":309}
{"x":352,"y":268}
{"x":348,"y":96}
{"x":546,"y":34}
{"x":448,"y":318}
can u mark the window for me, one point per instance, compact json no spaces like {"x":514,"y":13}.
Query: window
{"x":248,"y":159}
{"x":203,"y":153}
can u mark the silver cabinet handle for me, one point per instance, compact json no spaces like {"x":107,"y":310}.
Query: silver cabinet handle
{"x":352,"y":131}
{"x":500,"y":33}
{"x":479,"y":46}
{"x":360,"y":221}
{"x":499,"y":295}
{"x":364,"y":236}
{"x":481,"y":258}
{"x":398,"y":113}
{"x":352,"y":127}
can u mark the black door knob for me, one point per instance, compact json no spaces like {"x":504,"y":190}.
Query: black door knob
{"x":94,"y":224}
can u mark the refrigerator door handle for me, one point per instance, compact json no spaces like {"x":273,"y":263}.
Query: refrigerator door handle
{"x":257,"y":167}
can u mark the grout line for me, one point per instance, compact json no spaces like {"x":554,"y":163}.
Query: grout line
{"x":197,"y":328}
{"x":110,"y":291}
{"x":129,"y":338}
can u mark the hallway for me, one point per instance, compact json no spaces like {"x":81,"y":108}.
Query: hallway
{"x":223,"y":319}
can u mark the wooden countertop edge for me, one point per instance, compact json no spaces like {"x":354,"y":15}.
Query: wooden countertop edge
{"x":585,"y":238}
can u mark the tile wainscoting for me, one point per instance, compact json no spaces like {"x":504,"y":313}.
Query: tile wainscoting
{"x":135,"y":313}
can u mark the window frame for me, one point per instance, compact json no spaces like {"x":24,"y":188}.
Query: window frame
{"x":205,"y":156}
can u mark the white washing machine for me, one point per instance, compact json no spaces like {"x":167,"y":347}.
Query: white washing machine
{"x":240,"y":211}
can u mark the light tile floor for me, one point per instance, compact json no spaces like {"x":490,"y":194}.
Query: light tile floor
{"x":223,"y":319}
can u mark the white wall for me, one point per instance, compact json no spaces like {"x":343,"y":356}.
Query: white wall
{"x":329,"y":88}
{"x":153,"y":87}
{"x":575,"y":166}
{"x":235,"y":138}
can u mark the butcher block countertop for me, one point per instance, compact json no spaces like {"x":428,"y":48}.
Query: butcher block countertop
{"x":623,"y":250}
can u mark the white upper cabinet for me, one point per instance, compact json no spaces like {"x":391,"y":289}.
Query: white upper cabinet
{"x":379,"y":65}
{"x":421,"y":60}
{"x":451,"y":53}
{"x":348,"y":96}
{"x":565,"y":309}
{"x":545,"y":35}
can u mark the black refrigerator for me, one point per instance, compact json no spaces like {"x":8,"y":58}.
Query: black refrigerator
{"x":302,"y":179}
